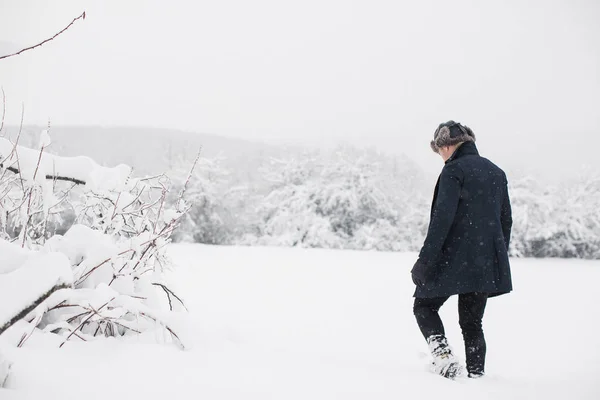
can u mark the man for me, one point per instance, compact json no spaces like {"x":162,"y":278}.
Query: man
{"x":466,"y":249}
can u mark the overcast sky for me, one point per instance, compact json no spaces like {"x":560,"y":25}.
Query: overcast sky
{"x":524,"y":75}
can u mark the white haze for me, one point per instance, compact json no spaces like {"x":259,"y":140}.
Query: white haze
{"x":524,"y":75}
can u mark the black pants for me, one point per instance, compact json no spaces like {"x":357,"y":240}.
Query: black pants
{"x":471,"y":307}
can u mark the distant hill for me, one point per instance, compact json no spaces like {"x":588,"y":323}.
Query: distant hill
{"x":156,"y":150}
{"x":147,"y":150}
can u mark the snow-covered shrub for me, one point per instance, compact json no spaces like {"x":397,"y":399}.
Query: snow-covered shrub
{"x":556,"y":221}
{"x":342,"y":199}
{"x":414,"y":220}
{"x":579,"y":213}
{"x":207,"y":220}
{"x":532,"y":222}
{"x":116,"y":247}
{"x":286,"y":214}
{"x":31,"y":205}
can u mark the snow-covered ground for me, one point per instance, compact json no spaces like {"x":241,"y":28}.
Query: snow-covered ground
{"x":276,"y":323}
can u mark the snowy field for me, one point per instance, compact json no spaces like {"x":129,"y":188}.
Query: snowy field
{"x":278,"y":323}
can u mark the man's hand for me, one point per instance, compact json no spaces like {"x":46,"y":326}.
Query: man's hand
{"x":419,"y":272}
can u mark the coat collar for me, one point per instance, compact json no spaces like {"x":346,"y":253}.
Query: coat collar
{"x":465,"y":149}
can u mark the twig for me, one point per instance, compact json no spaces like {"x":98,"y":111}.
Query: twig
{"x":63,"y":199}
{"x":3,"y":109}
{"x":85,"y":321}
{"x":25,"y":336}
{"x":49,"y":177}
{"x":132,"y":202}
{"x":126,"y":327}
{"x":67,"y":179}
{"x":82,"y":16}
{"x":114,"y":211}
{"x":149,"y":178}
{"x":169,"y":292}
{"x":61,"y":305}
{"x":31,"y":195}
{"x":24,"y":199}
{"x":187,"y":181}
{"x":162,"y":204}
{"x":74,"y":317}
{"x":85,"y":276}
{"x":80,"y":337}
{"x":150,"y":245}
{"x":166,"y":327}
{"x":14,"y":149}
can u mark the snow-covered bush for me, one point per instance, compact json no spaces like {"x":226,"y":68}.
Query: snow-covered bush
{"x":579,"y":211}
{"x":532,"y":212}
{"x":116,"y":247}
{"x":207,"y":193}
{"x":343,"y":199}
{"x":556,"y":221}
{"x":286,"y":214}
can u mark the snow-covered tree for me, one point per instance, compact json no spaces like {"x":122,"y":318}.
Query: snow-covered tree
{"x":532,"y":210}
{"x":556,"y":221}
{"x":336,"y":200}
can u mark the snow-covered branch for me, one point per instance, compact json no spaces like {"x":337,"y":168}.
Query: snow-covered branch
{"x":80,"y":170}
{"x":27,"y":279}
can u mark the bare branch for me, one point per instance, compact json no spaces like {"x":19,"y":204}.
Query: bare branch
{"x":23,"y":313}
{"x":27,"y":336}
{"x":162,"y":204}
{"x":66,"y":179}
{"x":187,"y":181}
{"x":85,"y":276}
{"x":166,"y":327}
{"x":31,"y":196}
{"x":49,"y":177}
{"x":149,"y":178}
{"x":94,"y":312}
{"x":169,"y":292}
{"x":82,"y":16}
{"x":14,"y":150}
{"x":126,"y":327}
{"x":3,"y":110}
{"x":74,"y":317}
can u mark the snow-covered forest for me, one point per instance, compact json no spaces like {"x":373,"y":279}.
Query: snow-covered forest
{"x":353,"y":199}
{"x":343,"y":197}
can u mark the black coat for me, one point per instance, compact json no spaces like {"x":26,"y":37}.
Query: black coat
{"x":466,"y":248}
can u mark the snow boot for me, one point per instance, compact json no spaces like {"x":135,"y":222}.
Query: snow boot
{"x":444,"y":362}
{"x":476,"y":375}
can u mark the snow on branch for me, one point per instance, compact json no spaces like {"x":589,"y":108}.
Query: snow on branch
{"x":82,"y":16}
{"x":113,"y":245}
{"x":33,"y":277}
{"x":79,"y":170}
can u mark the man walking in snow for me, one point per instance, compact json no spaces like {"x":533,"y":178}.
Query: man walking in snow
{"x":466,"y":249}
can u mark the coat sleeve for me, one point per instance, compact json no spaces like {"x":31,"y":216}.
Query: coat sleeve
{"x":506,"y":217}
{"x":443,"y":213}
